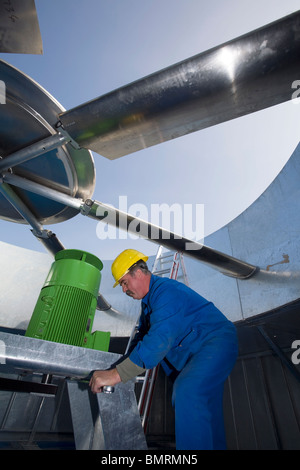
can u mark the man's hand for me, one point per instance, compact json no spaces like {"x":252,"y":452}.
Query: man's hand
{"x":100,"y":378}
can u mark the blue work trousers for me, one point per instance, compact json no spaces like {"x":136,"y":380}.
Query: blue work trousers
{"x":198,"y":395}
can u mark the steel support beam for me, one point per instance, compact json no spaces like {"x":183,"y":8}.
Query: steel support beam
{"x":33,"y":151}
{"x":224,"y":263}
{"x":42,"y":190}
{"x":118,"y":424}
{"x":19,"y":205}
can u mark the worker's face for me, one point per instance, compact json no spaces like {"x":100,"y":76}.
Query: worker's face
{"x":135,"y":285}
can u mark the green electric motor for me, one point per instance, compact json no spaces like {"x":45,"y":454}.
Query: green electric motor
{"x":65,"y":310}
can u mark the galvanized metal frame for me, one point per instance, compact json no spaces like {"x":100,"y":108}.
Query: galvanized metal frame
{"x":114,"y":412}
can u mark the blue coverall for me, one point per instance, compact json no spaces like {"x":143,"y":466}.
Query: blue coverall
{"x":195,"y":344}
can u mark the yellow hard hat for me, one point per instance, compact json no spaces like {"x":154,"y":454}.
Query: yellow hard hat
{"x":123,"y":263}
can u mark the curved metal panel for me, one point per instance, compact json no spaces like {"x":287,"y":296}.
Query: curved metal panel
{"x":266,"y":234}
{"x":242,"y":76}
{"x":34,"y":112}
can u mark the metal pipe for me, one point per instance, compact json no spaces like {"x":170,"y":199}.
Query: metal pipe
{"x":242,"y":76}
{"x":226,"y":264}
{"x":19,"y":205}
{"x":33,"y":151}
{"x":50,"y":241}
{"x":42,"y":190}
{"x":46,"y":237}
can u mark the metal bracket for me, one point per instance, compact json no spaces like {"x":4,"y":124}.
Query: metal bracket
{"x":19,"y":205}
{"x":49,"y":240}
{"x":33,"y":151}
{"x":13,"y":385}
{"x":67,"y":136}
{"x":86,"y":207}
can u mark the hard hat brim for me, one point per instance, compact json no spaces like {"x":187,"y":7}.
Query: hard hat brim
{"x":118,"y":281}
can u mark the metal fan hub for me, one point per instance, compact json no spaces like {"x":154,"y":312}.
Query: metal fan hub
{"x":28,"y":116}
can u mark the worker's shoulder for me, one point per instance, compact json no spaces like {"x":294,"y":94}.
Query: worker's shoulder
{"x":162,"y":282}
{"x":165,"y":286}
{"x":175,"y":290}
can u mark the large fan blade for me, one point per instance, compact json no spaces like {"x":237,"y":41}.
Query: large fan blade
{"x":19,"y":27}
{"x":245,"y":75}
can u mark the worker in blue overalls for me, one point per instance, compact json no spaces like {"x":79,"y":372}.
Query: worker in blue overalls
{"x":192,"y":340}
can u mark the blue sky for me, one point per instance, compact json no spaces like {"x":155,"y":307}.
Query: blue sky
{"x":94,"y":46}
